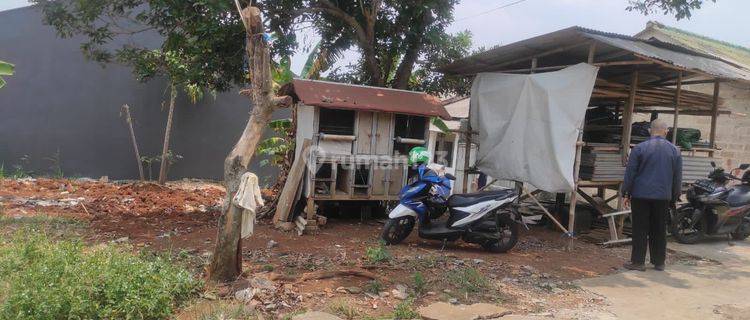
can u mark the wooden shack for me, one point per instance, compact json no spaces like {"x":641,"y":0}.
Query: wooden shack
{"x":359,"y":137}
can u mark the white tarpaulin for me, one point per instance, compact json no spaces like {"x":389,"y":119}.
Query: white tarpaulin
{"x":528,"y":124}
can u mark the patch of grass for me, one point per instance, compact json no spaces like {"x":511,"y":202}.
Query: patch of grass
{"x":44,"y":279}
{"x":374,"y":286}
{"x":377,"y":254}
{"x":419,"y":283}
{"x":53,"y":226}
{"x":217,"y":310}
{"x":405,"y":311}
{"x":468,"y":280}
{"x":344,"y":309}
{"x":267,"y":267}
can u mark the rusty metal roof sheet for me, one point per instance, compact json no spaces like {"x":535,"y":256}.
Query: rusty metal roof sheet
{"x":356,"y":97}
{"x":677,"y":56}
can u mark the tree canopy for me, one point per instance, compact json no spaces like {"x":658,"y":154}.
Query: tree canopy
{"x":681,"y":9}
{"x":400,"y":41}
{"x":202,"y":47}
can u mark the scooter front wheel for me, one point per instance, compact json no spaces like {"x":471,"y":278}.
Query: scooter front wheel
{"x":397,"y":229}
{"x":684,"y":229}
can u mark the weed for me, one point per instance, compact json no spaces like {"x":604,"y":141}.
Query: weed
{"x":19,"y":169}
{"x":405,"y":311}
{"x":55,"y":165}
{"x":374,"y":286}
{"x":420,"y":283}
{"x":377,"y":254}
{"x":267,"y":267}
{"x":344,"y":309}
{"x":43,"y":279}
{"x":468,"y":280}
{"x":217,"y":310}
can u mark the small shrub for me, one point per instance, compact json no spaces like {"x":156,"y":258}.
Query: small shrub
{"x":377,"y":254}
{"x":267,"y":267}
{"x":405,"y":311}
{"x":42,"y":279}
{"x":345,"y":310}
{"x":217,"y":310}
{"x":374,"y":287}
{"x":420,"y":283}
{"x":468,"y":280}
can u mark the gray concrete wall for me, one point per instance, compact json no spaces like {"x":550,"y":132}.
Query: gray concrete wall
{"x":57,"y":100}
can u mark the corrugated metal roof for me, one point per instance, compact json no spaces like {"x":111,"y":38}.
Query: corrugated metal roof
{"x":678,"y":56}
{"x":710,"y":66}
{"x":457,"y":107}
{"x":723,"y":50}
{"x":355,"y":97}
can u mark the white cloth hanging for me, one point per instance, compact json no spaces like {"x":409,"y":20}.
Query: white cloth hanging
{"x":248,"y":197}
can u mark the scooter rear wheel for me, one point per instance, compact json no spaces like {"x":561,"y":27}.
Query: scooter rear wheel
{"x":508,"y":237}
{"x":396,"y":230}
{"x":684,"y":230}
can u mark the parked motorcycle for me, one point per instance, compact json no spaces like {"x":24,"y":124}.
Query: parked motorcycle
{"x":486,"y":218}
{"x":714,"y":208}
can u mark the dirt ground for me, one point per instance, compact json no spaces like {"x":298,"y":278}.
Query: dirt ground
{"x":298,"y":272}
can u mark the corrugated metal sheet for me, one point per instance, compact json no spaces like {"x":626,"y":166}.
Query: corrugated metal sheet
{"x":713,"y":67}
{"x":678,"y":56}
{"x":355,"y":97}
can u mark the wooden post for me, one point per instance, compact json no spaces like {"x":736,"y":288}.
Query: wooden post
{"x":533,"y":65}
{"x":714,"y":117}
{"x":676,"y":107}
{"x":467,"y":155}
{"x":627,"y":118}
{"x":129,"y":120}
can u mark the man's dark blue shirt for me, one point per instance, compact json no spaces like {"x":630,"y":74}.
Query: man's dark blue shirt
{"x":654,"y":171}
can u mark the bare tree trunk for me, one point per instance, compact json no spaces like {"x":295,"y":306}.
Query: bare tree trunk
{"x":167,"y":133}
{"x":226,"y":263}
{"x":129,"y":120}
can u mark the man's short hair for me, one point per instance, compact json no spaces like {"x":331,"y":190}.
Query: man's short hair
{"x":659,"y":125}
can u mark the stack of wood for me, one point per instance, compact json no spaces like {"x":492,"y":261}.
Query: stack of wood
{"x":601,"y":162}
{"x":694,"y":168}
{"x":647,"y":96}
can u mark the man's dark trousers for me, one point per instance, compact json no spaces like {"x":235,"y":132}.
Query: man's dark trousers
{"x":649,"y":229}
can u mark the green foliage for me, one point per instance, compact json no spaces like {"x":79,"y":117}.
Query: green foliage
{"x":408,"y":37}
{"x":345,"y":310}
{"x":202,"y":47}
{"x":20,"y":169}
{"x":468,"y":280}
{"x":281,"y":73}
{"x":276,"y":149}
{"x":440,"y":124}
{"x":374,"y":286}
{"x":420,"y":283}
{"x":267,"y":267}
{"x":681,"y":9}
{"x":6,"y":69}
{"x":43,"y":279}
{"x":377,"y":254}
{"x":149,"y":161}
{"x":405,"y":311}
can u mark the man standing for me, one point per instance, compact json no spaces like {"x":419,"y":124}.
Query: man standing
{"x":652,"y":182}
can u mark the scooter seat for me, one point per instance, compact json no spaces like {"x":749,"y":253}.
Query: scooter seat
{"x":467,"y":199}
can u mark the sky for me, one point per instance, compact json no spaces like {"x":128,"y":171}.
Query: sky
{"x":724,"y":20}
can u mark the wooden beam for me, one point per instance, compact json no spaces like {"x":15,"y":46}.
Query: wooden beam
{"x":676,"y":108}
{"x":538,"y":55}
{"x":533,"y":65}
{"x":627,"y":117}
{"x":287,"y":198}
{"x":592,"y":53}
{"x":714,"y":116}
{"x":600,"y":64}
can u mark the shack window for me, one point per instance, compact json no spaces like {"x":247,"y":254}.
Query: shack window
{"x":444,"y":149}
{"x":409,"y":127}
{"x":334,"y":121}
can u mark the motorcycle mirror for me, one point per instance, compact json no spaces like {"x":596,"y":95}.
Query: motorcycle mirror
{"x":450,"y":176}
{"x":744,"y":166}
{"x":713,"y":164}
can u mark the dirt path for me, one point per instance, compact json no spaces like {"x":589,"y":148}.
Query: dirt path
{"x":712,"y":285}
